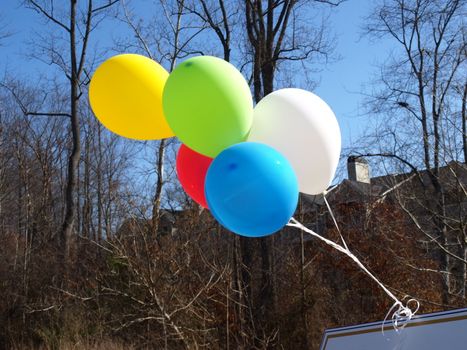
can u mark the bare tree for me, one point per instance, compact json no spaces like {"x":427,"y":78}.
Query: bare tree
{"x":421,"y":89}
{"x":165,"y":41}
{"x":277,"y":36}
{"x":76,"y":27}
{"x":277,"y":33}
{"x":220,"y":16}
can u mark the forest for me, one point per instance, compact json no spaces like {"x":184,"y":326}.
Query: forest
{"x":100,"y":247}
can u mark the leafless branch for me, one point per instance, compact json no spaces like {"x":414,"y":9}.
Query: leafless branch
{"x":36,"y":6}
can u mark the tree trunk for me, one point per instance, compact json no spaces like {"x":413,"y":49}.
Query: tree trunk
{"x":73,"y":161}
{"x":86,"y":209}
{"x":156,"y":206}
{"x":464,"y":123}
{"x":99,"y":183}
{"x":302,"y":284}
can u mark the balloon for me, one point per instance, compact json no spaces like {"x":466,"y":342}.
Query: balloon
{"x":191,"y":170}
{"x":208,"y":104}
{"x":304,"y":129}
{"x":251,"y":189}
{"x":126,"y":96}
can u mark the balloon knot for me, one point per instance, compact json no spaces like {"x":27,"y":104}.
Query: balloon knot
{"x":401,"y":314}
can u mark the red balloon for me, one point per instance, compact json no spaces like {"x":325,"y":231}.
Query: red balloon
{"x":191,"y":170}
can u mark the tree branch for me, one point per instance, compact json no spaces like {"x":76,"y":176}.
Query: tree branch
{"x":103,"y":7}
{"x":50,"y":16}
{"x":26,"y":111}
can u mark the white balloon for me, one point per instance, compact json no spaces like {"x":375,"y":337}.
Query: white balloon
{"x":304,"y":129}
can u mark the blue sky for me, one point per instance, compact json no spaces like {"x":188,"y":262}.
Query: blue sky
{"x":340,"y":82}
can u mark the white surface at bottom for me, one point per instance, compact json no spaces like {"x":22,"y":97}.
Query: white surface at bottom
{"x":438,"y":331}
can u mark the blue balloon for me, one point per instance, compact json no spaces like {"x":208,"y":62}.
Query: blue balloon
{"x":251,"y":189}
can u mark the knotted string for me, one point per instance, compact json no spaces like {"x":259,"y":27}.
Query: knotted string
{"x":401,"y":313}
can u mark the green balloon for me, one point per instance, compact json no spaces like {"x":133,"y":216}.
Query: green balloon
{"x":208,"y":104}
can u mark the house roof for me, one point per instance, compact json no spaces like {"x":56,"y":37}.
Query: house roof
{"x":354,"y":191}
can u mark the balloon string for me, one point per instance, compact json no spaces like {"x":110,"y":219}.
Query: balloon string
{"x":335,"y":221}
{"x":402,"y":314}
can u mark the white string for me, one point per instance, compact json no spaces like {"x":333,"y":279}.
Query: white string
{"x":335,"y":221}
{"x":401,"y":313}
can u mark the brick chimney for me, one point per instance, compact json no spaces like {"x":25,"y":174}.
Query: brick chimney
{"x":358,"y":169}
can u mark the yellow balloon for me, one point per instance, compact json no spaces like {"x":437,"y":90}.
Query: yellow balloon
{"x":126,"y":96}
